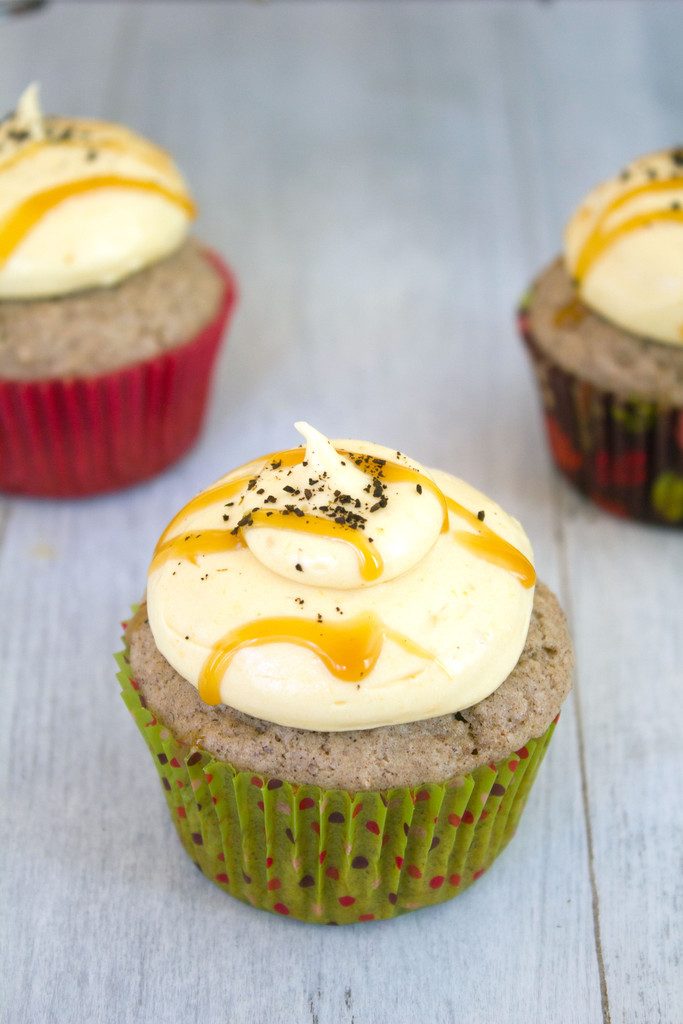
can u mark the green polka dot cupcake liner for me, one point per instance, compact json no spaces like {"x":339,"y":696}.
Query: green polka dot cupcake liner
{"x":329,"y":856}
{"x":623,"y":452}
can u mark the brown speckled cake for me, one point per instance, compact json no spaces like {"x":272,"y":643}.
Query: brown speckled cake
{"x":102,"y":329}
{"x":110,"y":318}
{"x":347,"y":678}
{"x":447,"y":747}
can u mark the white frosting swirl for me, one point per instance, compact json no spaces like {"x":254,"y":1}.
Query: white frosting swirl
{"x":454,"y":621}
{"x":624,"y":246}
{"x":83,"y":204}
{"x":404,"y":526}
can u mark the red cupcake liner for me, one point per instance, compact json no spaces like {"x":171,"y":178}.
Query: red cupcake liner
{"x":623,"y":452}
{"x":84,"y":435}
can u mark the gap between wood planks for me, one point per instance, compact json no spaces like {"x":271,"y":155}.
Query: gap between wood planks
{"x":560,"y":505}
{"x":5,"y":513}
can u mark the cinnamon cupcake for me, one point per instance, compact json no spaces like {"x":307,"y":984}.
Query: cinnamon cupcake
{"x":604,"y":327}
{"x":347,"y":679}
{"x":110,"y":314}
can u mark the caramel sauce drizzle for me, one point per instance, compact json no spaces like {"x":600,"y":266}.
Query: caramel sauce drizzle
{"x":221,"y":492}
{"x":349,"y":650}
{"x":391,"y":472}
{"x":571,"y":314}
{"x":600,"y":239}
{"x":485,"y":543}
{"x":188,"y":545}
{"x":204,"y":542}
{"x":17,"y":224}
{"x":396,"y":473}
{"x":371,"y":563}
{"x":28,"y":149}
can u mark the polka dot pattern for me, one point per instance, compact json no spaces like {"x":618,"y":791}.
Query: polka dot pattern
{"x":331,"y":857}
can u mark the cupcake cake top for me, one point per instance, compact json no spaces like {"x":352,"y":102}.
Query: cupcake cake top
{"x":83,"y":203}
{"x":624,"y":247}
{"x":341,"y":586}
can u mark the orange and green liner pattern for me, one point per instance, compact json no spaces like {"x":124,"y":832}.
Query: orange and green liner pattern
{"x":622,"y":451}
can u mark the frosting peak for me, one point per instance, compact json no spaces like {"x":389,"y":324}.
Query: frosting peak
{"x":337,"y":520}
{"x":28,"y":115}
{"x":83,"y":204}
{"x":341,"y":586}
{"x":624,"y":247}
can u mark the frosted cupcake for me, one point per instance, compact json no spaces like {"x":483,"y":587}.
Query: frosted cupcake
{"x":110,"y":315}
{"x":604,"y":327}
{"x":347,"y":679}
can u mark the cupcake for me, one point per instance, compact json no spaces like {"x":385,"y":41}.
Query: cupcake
{"x":110,"y":314}
{"x":347,"y":679}
{"x":604,"y":327}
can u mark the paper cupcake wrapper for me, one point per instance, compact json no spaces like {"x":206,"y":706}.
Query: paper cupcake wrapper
{"x":83,"y":435}
{"x":625,"y":453}
{"x":330,"y":856}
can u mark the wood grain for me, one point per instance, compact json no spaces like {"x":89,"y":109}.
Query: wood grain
{"x":385,"y":178}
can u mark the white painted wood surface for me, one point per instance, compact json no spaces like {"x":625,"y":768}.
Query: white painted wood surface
{"x":385,"y":177}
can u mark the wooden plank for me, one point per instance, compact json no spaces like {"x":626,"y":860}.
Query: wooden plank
{"x":625,"y":598}
{"x":624,"y":582}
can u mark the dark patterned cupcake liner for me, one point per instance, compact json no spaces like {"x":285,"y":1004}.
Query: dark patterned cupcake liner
{"x":625,"y":453}
{"x":331,"y":856}
{"x":83,"y":435}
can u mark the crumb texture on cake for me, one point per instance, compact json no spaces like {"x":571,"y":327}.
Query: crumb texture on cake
{"x":434,"y":750}
{"x":585,"y":344}
{"x":103,"y":329}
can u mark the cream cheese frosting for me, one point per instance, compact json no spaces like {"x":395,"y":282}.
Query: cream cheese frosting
{"x":341,"y":586}
{"x":83,"y":203}
{"x":624,"y":247}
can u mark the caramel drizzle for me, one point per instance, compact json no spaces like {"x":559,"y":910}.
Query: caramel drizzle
{"x":395,"y":473}
{"x":349,"y":650}
{"x":483,"y":541}
{"x":204,"y":542}
{"x":28,"y":149}
{"x":571,"y":314}
{"x":600,"y":239}
{"x":221,"y":492}
{"x":391,"y":472}
{"x":17,"y":224}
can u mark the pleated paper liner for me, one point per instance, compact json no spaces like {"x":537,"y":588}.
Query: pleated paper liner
{"x":83,"y":435}
{"x":331,"y":856}
{"x":625,"y":453}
